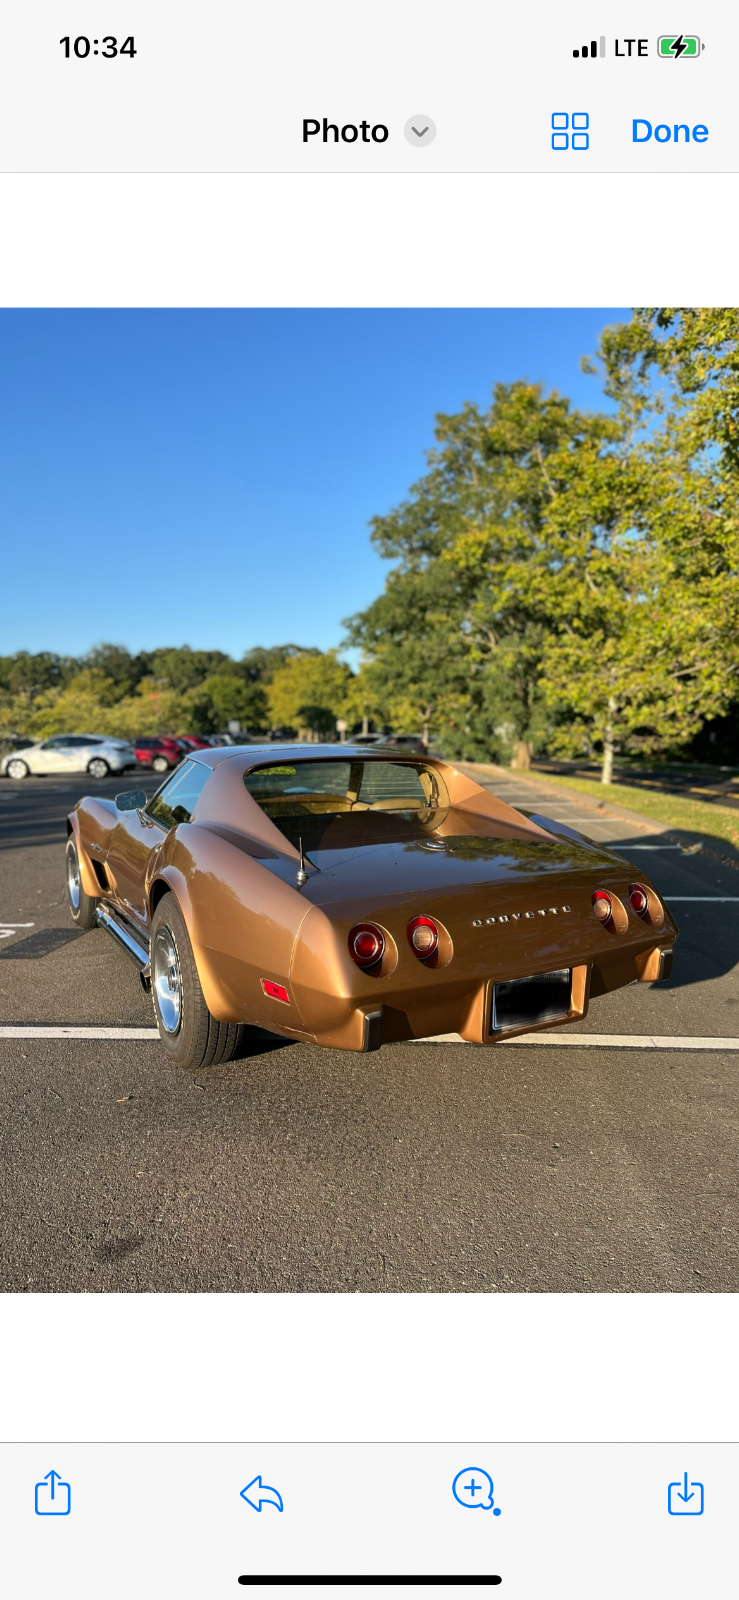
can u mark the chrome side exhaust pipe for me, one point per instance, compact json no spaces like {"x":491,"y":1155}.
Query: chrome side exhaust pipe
{"x":134,"y":947}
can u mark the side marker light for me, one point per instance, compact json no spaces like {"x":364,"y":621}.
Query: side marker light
{"x":275,"y":991}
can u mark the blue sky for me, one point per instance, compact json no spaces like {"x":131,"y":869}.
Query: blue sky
{"x":206,"y":477}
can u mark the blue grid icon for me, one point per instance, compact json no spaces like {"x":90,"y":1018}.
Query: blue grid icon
{"x":566,"y":127}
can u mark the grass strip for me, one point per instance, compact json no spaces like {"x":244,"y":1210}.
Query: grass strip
{"x":690,"y":815}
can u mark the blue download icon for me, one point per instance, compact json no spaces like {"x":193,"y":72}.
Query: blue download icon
{"x":685,"y":1499}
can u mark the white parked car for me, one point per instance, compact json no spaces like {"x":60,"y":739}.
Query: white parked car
{"x":70,"y":752}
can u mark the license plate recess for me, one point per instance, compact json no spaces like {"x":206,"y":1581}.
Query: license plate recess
{"x":522,"y":1002}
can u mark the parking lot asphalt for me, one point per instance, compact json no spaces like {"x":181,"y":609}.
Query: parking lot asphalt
{"x":424,"y":1167}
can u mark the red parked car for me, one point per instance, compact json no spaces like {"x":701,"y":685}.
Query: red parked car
{"x":161,"y":754}
{"x":194,"y":741}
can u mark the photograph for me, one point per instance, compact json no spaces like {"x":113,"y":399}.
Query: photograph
{"x":369,"y":801}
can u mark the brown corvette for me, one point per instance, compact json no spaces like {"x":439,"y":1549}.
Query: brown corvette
{"x":350,"y":897}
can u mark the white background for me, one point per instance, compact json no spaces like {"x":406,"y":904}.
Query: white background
{"x":227,"y":1367}
{"x":327,"y":240}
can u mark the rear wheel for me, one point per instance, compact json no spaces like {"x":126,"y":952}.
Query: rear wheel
{"x":160,"y":764}
{"x":191,"y":1037}
{"x":17,"y":769}
{"x":81,"y":904}
{"x":98,"y":768}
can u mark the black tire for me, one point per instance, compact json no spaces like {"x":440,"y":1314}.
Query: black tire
{"x":21,"y":770}
{"x":81,"y":904}
{"x":98,"y":768}
{"x":191,"y":1037}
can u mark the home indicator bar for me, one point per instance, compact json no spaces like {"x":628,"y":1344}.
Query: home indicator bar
{"x":468,"y":1580}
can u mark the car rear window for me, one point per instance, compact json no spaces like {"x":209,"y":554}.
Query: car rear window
{"x":365,"y":795}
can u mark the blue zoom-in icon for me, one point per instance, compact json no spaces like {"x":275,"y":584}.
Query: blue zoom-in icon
{"x":473,"y":1488}
{"x":685,"y":1500}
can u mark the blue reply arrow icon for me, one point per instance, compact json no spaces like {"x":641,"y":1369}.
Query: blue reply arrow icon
{"x":684,"y":1501}
{"x":256,"y":1494}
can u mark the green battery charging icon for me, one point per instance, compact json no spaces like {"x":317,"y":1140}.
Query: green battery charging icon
{"x":679,"y":46}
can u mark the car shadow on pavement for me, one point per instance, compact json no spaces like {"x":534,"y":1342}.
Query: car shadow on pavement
{"x":258,"y":1042}
{"x":690,"y":871}
{"x":42,"y":943}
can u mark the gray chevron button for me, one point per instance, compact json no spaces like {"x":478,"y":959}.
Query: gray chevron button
{"x":420,"y":130}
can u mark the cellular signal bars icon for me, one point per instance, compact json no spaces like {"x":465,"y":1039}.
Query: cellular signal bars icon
{"x":597,"y":47}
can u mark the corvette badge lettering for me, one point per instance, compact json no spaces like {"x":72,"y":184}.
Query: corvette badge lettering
{"x":516,"y":916}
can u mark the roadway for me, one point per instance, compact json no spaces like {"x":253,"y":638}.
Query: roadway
{"x":576,"y":1167}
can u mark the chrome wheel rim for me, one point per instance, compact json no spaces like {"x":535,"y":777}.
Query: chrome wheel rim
{"x":98,"y":769}
{"x":73,"y":879}
{"x":16,"y":769}
{"x":167,"y":980}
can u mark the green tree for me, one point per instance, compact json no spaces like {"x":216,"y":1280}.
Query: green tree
{"x":183,"y":668}
{"x":117,"y":663}
{"x":695,"y":350}
{"x":309,"y":692}
{"x":29,"y":675}
{"x":454,"y":644}
{"x":562,"y":578}
{"x":260,"y":664}
{"x":225,"y":697}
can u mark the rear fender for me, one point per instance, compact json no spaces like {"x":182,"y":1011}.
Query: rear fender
{"x":242,"y":921}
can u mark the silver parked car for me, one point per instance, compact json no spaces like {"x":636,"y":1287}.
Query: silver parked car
{"x":70,"y":752}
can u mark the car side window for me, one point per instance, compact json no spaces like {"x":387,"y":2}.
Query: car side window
{"x":177,"y":800}
{"x":56,"y":744}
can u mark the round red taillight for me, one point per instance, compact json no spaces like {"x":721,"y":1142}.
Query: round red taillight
{"x":423,"y":937}
{"x":639,"y":899}
{"x":602,"y":905}
{"x":366,"y":944}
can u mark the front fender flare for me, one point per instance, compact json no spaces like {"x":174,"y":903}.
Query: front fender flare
{"x":89,"y":880}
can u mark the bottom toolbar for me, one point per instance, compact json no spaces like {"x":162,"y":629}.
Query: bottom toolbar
{"x":195,"y":1520}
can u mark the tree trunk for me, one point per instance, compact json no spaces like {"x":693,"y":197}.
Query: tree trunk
{"x":606,"y":775}
{"x":365,"y":726}
{"x":524,"y":752}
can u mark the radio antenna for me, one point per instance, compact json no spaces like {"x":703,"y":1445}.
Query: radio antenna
{"x":301,"y":875}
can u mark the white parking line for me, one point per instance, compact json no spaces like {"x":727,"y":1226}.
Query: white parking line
{"x":603,"y":1041}
{"x":23,"y":1032}
{"x":562,"y":1038}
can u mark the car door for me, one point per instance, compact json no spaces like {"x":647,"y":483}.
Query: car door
{"x":52,"y":755}
{"x":138,"y":834}
{"x":132,"y":842}
{"x":76,"y":754}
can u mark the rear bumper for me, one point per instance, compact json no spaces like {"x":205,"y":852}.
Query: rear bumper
{"x":394,"y":1018}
